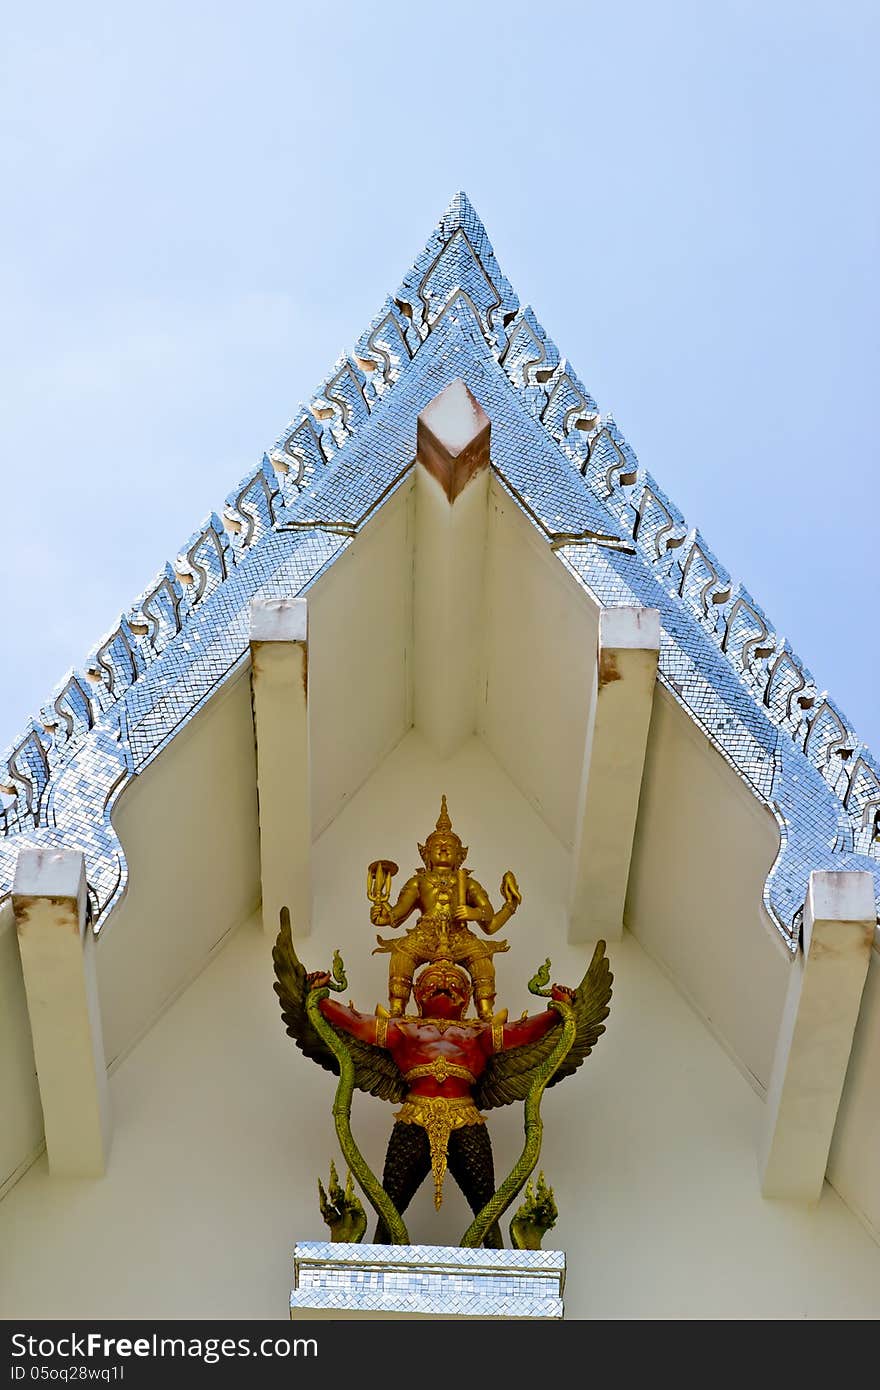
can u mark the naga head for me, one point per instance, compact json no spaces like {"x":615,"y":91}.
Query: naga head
{"x":443,"y":848}
{"x":442,"y":990}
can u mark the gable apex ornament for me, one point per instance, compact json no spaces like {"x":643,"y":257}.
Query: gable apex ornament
{"x":452,"y":438}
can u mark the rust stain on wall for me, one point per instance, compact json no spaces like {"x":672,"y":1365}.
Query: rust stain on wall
{"x":608,"y":668}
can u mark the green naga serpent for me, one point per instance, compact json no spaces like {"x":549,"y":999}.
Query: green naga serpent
{"x":444,"y":1070}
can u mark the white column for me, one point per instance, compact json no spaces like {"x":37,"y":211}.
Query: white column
{"x":58,"y":963}
{"x":280,"y":681}
{"x":611,"y":777}
{"x":452,"y":510}
{"x":816,"y":1033}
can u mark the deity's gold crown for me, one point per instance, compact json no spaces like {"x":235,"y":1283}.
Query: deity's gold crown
{"x":443,"y":831}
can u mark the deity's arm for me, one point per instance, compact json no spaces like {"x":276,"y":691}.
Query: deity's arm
{"x":483,"y":912}
{"x":363,"y":1026}
{"x":479,"y":907}
{"x":407,"y":900}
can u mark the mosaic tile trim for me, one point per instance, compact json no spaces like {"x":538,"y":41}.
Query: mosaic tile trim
{"x":550,"y":1263}
{"x":579,"y":481}
{"x":427,"y":1281}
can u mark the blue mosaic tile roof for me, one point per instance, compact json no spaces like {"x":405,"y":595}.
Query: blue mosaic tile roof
{"x":570,"y":469}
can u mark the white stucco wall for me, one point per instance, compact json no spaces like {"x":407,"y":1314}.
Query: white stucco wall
{"x":222,"y":1127}
{"x":702,"y":850}
{"x":21,"y":1125}
{"x":854,"y":1161}
{"x":188,"y":826}
{"x":541,"y":639}
{"x":360,"y":657}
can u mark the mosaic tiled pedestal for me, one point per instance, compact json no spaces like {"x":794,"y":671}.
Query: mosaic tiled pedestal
{"x":425,"y":1281}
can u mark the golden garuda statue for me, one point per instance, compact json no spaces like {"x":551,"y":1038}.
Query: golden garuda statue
{"x":447,"y":897}
{"x":441,"y":1067}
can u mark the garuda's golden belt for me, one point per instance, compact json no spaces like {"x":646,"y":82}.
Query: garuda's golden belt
{"x":441,"y":1068}
{"x":439,"y":1116}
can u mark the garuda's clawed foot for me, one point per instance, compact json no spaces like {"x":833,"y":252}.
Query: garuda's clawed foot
{"x":534,"y":1218}
{"x":342,"y":1210}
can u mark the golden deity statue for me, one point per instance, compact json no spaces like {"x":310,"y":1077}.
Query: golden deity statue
{"x":447,"y":898}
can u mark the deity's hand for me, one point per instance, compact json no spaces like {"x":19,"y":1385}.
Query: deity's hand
{"x":467,"y":914}
{"x":317,"y":979}
{"x":380,"y":915}
{"x":510,"y":891}
{"x":562,"y":993}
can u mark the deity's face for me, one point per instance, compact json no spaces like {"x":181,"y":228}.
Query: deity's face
{"x":444,"y":851}
{"x":442,"y":992}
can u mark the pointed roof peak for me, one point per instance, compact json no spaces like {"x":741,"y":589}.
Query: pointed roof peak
{"x":461,"y":216}
{"x":461,"y":208}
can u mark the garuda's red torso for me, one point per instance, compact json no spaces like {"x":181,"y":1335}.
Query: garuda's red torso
{"x":439,"y":1057}
{"x":428,"y":1047}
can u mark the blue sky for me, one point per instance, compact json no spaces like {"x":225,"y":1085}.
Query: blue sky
{"x":205,"y":204}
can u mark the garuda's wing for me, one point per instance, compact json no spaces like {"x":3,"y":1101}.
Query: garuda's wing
{"x":509,"y":1074}
{"x":375,"y":1071}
